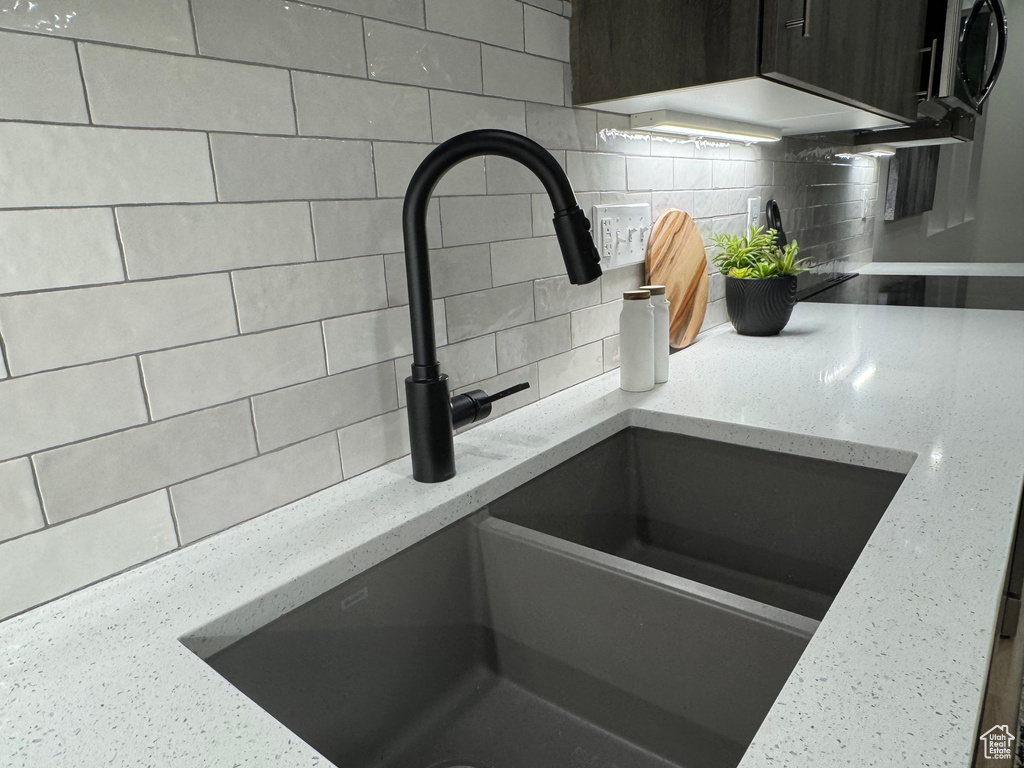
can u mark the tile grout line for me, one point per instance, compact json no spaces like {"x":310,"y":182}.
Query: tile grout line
{"x":255,"y":432}
{"x":195,"y":27}
{"x":234,"y":304}
{"x":39,"y":496}
{"x":81,"y":74}
{"x":174,"y":515}
{"x":120,"y":251}
{"x":145,"y":390}
{"x":213,"y":170}
{"x":295,"y":106}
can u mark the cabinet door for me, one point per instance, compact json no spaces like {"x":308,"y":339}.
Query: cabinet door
{"x":862,"y":52}
{"x":626,"y":48}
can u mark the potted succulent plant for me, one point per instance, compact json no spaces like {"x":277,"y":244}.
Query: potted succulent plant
{"x":760,"y":280}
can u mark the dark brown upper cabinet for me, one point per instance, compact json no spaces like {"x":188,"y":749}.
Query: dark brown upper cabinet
{"x":802,"y":66}
{"x":866,"y":53}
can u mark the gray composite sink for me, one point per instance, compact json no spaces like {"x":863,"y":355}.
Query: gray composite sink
{"x":639,"y":605}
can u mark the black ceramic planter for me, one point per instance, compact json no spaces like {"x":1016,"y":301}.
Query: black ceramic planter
{"x":760,"y":307}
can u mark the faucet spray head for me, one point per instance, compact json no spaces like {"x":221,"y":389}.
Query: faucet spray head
{"x":582,"y":259}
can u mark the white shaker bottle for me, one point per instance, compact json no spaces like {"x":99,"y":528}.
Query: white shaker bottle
{"x":661,"y":344}
{"x":636,"y":342}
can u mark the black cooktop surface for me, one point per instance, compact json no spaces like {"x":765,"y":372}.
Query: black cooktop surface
{"x":927,"y":291}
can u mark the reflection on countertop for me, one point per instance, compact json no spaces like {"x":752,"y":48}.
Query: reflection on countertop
{"x":932,"y":290}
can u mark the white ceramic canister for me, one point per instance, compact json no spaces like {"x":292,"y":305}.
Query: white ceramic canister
{"x":661,"y":346}
{"x":636,"y":342}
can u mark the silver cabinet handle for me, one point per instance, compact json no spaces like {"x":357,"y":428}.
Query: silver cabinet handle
{"x":930,"y":50}
{"x":802,"y":23}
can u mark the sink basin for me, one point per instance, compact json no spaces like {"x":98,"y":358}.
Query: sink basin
{"x":781,"y":529}
{"x":577,"y":621}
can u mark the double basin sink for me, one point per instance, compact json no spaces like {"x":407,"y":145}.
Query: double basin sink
{"x":639,"y":605}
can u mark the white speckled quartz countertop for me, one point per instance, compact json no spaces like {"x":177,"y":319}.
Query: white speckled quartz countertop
{"x":894,"y":675}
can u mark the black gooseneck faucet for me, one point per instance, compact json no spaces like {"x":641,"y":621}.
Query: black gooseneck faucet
{"x":433,"y":414}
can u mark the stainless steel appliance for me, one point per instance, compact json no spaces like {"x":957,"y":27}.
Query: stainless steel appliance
{"x":965,"y":45}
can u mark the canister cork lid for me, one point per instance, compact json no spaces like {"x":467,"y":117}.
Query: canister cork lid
{"x":636,"y":295}
{"x":656,"y":290}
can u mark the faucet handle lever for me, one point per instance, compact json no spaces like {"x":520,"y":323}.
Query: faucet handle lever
{"x":472,"y":406}
{"x":507,"y":392}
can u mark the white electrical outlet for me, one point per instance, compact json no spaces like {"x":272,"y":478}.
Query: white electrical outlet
{"x":623,"y":233}
{"x":753,"y":211}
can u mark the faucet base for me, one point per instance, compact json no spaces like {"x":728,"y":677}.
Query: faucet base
{"x":431,"y":437}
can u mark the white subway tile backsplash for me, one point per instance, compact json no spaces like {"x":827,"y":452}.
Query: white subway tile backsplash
{"x":562,"y":371}
{"x":554,"y":6}
{"x":58,"y":248}
{"x":526,"y":344}
{"x":452,"y":270}
{"x":720,"y":202}
{"x":547,"y":34}
{"x":648,"y":173}
{"x":281,"y":33}
{"x":158,"y":90}
{"x":453,"y":113}
{"x":510,"y":177}
{"x":681,"y":199}
{"x":355,"y":341}
{"x":61,"y":328}
{"x":615,"y":282}
{"x":373,"y":442}
{"x":589,"y":171}
{"x":467,"y":220}
{"x":611,"y":353}
{"x":83,"y":551}
{"x":499,"y":22}
{"x":190,"y":378}
{"x":692,"y":174}
{"x":166,"y":240}
{"x":395,"y":163}
{"x":474,"y":314}
{"x":594,"y":323}
{"x":294,"y":324}
{"x":561,"y":127}
{"x":557,"y":296}
{"x":363,"y":227}
{"x":517,"y":261}
{"x":399,"y":54}
{"x":58,"y":407}
{"x":163,"y":25}
{"x":82,"y":477}
{"x":306,"y":410}
{"x":19,"y":503}
{"x":229,"y":496}
{"x":346,"y":107}
{"x":41,"y":80}
{"x":271,"y":297}
{"x":258,"y":168}
{"x":522,"y":76}
{"x":57,"y":165}
{"x":402,"y":11}
{"x":728,"y":173}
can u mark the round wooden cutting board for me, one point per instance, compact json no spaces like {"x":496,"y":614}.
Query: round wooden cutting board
{"x":675,"y":259}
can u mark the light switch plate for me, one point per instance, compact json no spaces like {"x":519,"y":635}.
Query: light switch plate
{"x":623,"y":232}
